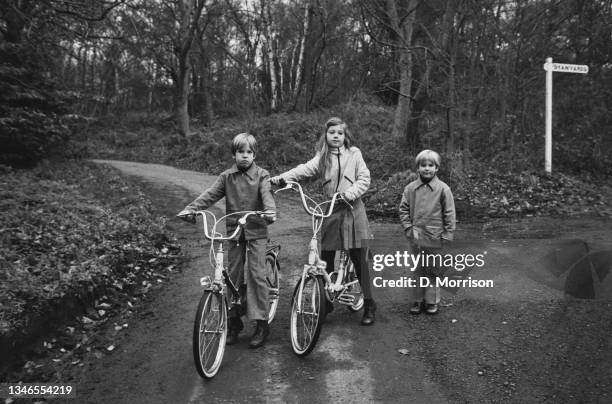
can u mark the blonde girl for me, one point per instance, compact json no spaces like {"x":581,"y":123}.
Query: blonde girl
{"x":341,"y":167}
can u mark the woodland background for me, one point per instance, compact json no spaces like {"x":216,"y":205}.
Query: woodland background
{"x":464,"y":77}
{"x":172,"y":82}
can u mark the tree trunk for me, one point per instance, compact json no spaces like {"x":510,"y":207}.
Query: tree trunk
{"x":299,"y":72}
{"x":275,"y":93}
{"x":403,"y":29}
{"x":182,"y":99}
{"x":450,"y":48}
{"x":92,"y":76}
{"x":403,"y":108}
{"x":205,"y":87}
{"x":189,"y":12}
{"x":293,"y":68}
{"x":221,"y":81}
{"x":83,"y":63}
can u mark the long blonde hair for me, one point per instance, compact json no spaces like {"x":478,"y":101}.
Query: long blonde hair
{"x":323,"y":149}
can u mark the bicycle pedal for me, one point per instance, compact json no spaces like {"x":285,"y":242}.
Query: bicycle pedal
{"x":335,"y":288}
{"x":346,"y":299}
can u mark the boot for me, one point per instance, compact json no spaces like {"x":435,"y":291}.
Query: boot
{"x":234,"y":327}
{"x":369,"y":310}
{"x":261,"y":333}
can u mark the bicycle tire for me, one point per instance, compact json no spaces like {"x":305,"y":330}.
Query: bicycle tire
{"x":305,"y":327}
{"x":354,"y":289}
{"x":272,"y":279}
{"x":209,"y":333}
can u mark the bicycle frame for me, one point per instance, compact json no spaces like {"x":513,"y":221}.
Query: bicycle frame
{"x":316,"y":286}
{"x":315,"y":265}
{"x":221,"y":277}
{"x":208,"y":354}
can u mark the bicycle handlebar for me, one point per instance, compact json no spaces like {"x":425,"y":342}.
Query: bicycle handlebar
{"x":217,"y":236}
{"x":310,"y":211}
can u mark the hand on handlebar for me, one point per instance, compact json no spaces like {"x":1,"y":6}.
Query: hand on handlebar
{"x":345,"y":198}
{"x":269,"y":216}
{"x":278,"y":181}
{"x":187,"y":215}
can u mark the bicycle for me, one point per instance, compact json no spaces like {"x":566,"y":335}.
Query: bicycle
{"x":211,"y":320}
{"x":307,"y":304}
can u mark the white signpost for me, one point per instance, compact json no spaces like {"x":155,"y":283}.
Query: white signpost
{"x":551,"y":67}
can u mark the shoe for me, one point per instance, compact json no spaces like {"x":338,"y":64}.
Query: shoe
{"x":369,"y":312}
{"x":261,"y":333}
{"x":234,"y":328}
{"x":431,"y":309}
{"x":416,"y":308}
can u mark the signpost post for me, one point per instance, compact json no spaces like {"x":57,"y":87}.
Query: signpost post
{"x":551,"y":67}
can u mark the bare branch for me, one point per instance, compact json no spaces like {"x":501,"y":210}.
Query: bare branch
{"x":100,"y":17}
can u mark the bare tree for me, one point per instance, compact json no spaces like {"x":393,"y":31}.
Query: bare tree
{"x":299,"y":72}
{"x":272,"y":58}
{"x":398,"y":19}
{"x":188,"y":14}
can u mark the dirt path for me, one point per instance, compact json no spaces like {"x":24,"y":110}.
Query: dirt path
{"x":522,"y":340}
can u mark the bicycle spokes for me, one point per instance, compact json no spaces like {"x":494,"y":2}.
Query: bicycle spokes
{"x":210,"y":333}
{"x":309,"y":312}
{"x":306,"y":313}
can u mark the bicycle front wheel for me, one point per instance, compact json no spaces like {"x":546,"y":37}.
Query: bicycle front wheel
{"x":209,"y":333}
{"x":272,"y":269}
{"x":307,"y":314}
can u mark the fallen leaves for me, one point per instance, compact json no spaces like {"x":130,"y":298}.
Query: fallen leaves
{"x":74,"y":229}
{"x":493,"y":194}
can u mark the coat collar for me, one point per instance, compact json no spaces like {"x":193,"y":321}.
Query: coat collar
{"x":249,"y":173}
{"x":431,"y":184}
{"x":340,"y":150}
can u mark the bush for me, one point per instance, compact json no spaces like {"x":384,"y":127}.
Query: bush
{"x":30,"y":124}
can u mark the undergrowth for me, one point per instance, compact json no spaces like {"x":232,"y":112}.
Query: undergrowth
{"x":72,"y":229}
{"x":481,"y":189}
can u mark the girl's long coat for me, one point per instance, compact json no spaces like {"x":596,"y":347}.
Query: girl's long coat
{"x":345,"y":172}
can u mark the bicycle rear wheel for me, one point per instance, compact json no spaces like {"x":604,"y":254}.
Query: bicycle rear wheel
{"x":272,"y":269}
{"x":209,"y":333}
{"x":307,"y":314}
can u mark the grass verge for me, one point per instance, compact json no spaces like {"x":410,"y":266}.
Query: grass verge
{"x":74,"y":236}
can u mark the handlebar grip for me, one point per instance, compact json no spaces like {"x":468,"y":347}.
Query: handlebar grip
{"x":187,"y":216}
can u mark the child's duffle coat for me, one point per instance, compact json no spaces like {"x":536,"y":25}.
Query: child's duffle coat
{"x":345,"y":172}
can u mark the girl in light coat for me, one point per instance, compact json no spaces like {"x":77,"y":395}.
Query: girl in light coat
{"x":342,"y":169}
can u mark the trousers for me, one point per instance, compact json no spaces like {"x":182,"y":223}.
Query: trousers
{"x":430,"y":272}
{"x":253,"y":275}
